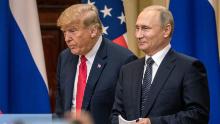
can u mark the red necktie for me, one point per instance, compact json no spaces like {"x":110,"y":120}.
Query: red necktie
{"x":81,"y":83}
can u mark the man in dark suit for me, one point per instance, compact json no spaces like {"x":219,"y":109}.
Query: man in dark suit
{"x":165,"y":87}
{"x":88,"y":69}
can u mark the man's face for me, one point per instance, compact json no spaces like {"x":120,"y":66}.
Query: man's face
{"x":78,"y":38}
{"x":149,"y":32}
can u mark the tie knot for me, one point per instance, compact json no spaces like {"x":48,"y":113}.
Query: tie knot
{"x":83,"y":59}
{"x":150,"y":61}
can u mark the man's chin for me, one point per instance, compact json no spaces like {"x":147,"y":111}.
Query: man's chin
{"x":75,"y":52}
{"x":142,"y":48}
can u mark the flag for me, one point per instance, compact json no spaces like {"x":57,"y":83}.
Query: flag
{"x":111,"y":13}
{"x":23,"y":87}
{"x":195,"y":34}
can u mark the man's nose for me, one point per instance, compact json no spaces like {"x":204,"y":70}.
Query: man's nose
{"x":139,"y":34}
{"x":67,"y":37}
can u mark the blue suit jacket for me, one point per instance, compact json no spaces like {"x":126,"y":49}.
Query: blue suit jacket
{"x":100,"y":88}
{"x":178,"y":95}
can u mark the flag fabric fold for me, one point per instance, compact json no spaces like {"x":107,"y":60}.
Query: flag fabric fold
{"x":23,"y":83}
{"x":111,"y":13}
{"x":195,"y":34}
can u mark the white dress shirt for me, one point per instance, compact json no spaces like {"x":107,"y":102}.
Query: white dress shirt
{"x":90,"y":58}
{"x":158,"y":57}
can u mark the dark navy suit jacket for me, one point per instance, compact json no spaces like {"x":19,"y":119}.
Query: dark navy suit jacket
{"x":100,"y":88}
{"x":178,"y":95}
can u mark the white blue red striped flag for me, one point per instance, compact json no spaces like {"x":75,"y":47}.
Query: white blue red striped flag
{"x":23,"y":82}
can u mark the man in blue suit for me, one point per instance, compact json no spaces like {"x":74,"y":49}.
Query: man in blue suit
{"x":164,"y":87}
{"x":88,"y":69}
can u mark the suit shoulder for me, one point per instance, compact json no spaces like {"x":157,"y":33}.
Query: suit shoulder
{"x":66,"y":52}
{"x":136,"y":62}
{"x":185,"y":58}
{"x":133,"y":64}
{"x":187,"y":62}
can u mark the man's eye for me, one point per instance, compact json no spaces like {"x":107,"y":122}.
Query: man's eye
{"x":145,"y":28}
{"x":72,"y":30}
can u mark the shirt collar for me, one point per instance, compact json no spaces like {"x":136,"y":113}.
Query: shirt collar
{"x":91,"y":54}
{"x":159,"y":56}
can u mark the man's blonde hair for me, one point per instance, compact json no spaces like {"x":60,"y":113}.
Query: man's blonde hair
{"x":85,"y":13}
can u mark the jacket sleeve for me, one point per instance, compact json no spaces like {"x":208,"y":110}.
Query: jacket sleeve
{"x":118,"y":103}
{"x":58,"y":105}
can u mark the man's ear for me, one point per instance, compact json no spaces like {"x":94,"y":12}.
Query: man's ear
{"x":93,"y":31}
{"x":167,"y":31}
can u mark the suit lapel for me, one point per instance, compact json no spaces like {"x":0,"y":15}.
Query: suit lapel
{"x":138,"y":80}
{"x":96,"y":70}
{"x":70,"y":68}
{"x":160,"y":78}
